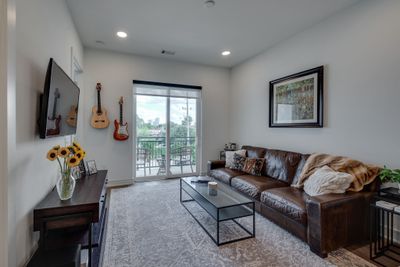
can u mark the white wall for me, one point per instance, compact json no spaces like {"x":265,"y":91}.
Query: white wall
{"x":360,"y":50}
{"x":116,"y":71}
{"x":44,"y":29}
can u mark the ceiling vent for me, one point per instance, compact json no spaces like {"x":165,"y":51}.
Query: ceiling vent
{"x":168,"y":52}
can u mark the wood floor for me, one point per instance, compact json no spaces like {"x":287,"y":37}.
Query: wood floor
{"x":363,"y":252}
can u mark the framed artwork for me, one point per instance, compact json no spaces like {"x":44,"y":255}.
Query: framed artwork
{"x":91,"y":167}
{"x":297,"y":100}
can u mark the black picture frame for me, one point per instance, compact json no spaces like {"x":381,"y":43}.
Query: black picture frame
{"x":318,"y":100}
{"x":82,"y":168}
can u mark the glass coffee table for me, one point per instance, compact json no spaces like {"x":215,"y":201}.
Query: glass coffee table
{"x":226,"y":205}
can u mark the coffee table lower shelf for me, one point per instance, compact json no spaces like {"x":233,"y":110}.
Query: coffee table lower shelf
{"x":220,"y":215}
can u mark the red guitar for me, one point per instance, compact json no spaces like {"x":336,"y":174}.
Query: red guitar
{"x":53,"y":122}
{"x":121,"y":129}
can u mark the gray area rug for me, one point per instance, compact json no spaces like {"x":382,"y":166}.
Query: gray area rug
{"x":147,"y":226}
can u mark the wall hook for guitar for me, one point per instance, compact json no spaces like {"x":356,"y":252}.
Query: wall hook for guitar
{"x":121,"y":128}
{"x":99,"y":114}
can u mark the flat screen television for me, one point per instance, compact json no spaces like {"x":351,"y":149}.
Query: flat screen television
{"x":59,"y":104}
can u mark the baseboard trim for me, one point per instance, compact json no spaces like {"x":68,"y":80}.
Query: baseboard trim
{"x":116,"y":183}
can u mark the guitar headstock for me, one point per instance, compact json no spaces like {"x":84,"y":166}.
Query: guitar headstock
{"x":56,"y":93}
{"x":98,"y":87}
{"x":121,"y":100}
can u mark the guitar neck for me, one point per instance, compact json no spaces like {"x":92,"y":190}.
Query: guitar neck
{"x":98,"y":102}
{"x":120,"y":114}
{"x":54,"y":108}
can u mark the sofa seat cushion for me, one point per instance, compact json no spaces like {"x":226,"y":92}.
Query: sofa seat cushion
{"x":224,"y":174}
{"x":287,"y":200}
{"x":252,"y":185}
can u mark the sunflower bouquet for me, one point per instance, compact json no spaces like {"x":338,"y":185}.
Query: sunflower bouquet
{"x":67,"y":157}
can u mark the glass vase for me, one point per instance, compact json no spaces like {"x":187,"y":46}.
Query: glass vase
{"x":65,"y":185}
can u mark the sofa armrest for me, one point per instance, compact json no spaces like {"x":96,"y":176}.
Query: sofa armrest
{"x":337,"y":220}
{"x":215,"y":164}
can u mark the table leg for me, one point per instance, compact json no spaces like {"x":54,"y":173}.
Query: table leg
{"x":254,"y":220}
{"x":217,"y":227}
{"x":90,"y":246}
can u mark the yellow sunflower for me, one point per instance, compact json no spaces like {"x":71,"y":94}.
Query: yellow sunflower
{"x":76,"y":145}
{"x":52,"y":154}
{"x":63,"y":152}
{"x":56,"y":148}
{"x":73,"y":161}
{"x":72,"y":149}
{"x":79,"y":154}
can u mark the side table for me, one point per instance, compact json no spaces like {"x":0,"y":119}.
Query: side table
{"x":382,"y":226}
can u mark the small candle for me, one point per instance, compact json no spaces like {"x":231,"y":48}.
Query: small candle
{"x":212,"y":188}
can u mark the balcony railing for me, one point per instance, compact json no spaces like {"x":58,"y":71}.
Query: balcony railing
{"x":151,"y":152}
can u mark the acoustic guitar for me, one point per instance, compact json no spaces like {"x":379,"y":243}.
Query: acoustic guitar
{"x":72,"y":116}
{"x":53,"y":122}
{"x":121,"y":128}
{"x":99,"y":114}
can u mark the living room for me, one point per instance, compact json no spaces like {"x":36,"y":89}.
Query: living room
{"x":210,"y":71}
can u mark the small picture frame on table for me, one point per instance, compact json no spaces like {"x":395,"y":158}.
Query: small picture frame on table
{"x":222,"y":155}
{"x":91,"y":167}
{"x":82,"y":168}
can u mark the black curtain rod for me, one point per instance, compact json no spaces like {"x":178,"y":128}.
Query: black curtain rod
{"x":168,"y":84}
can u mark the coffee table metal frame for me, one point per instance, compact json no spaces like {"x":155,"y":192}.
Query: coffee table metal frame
{"x":217,"y":217}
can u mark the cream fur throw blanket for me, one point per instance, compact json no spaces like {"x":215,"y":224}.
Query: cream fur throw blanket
{"x":363,"y":173}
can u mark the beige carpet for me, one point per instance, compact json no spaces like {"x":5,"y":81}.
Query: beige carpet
{"x":147,"y":226}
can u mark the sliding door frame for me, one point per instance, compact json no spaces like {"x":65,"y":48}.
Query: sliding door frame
{"x":4,"y":194}
{"x":199,"y":133}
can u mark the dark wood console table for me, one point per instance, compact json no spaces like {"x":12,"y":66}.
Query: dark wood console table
{"x":80,"y":220}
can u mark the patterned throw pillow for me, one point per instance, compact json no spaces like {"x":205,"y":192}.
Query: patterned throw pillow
{"x":229,"y":157}
{"x":253,"y":166}
{"x":238,"y":162}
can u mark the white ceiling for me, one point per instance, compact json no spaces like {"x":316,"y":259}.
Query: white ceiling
{"x":198,"y":34}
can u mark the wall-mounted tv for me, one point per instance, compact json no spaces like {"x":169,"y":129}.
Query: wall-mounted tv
{"x":59,"y":104}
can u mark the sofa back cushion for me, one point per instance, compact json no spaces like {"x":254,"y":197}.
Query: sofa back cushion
{"x":254,"y":152}
{"x":281,"y":165}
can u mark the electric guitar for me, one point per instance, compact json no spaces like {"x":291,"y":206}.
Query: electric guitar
{"x":53,"y":122}
{"x":99,"y":115}
{"x":121,"y":128}
{"x":72,"y":116}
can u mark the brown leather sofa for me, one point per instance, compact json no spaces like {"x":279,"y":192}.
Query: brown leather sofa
{"x":325,"y":222}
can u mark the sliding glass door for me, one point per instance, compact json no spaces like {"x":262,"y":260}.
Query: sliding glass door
{"x":151,"y":135}
{"x":167,"y":136}
{"x":183,"y":135}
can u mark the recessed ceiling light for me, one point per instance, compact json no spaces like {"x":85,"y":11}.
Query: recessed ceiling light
{"x":226,"y":53}
{"x":122,"y":34}
{"x":209,"y":3}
